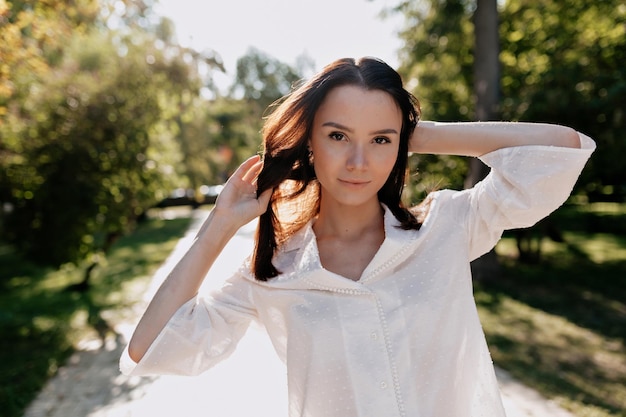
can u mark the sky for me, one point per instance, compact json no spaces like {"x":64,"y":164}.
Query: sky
{"x":323,"y":29}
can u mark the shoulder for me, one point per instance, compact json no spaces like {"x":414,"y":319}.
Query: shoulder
{"x":287,"y":258}
{"x":437,"y":201}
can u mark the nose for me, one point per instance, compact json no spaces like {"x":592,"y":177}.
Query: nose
{"x":357,"y":159}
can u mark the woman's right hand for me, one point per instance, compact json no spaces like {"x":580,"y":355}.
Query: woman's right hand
{"x":238,"y":202}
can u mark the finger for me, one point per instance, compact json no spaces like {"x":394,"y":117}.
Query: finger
{"x":253,"y":171}
{"x":245,"y":167}
{"x":264,"y":198}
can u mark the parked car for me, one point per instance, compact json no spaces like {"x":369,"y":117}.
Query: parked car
{"x":206,"y":194}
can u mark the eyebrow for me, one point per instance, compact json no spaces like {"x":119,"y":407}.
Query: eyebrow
{"x":347,"y":129}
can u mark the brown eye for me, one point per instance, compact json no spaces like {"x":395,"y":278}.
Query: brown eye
{"x":337,"y":136}
{"x":381,"y":140}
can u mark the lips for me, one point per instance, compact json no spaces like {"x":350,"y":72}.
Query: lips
{"x":354,"y":182}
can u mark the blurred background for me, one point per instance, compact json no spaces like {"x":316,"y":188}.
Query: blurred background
{"x":118,"y":118}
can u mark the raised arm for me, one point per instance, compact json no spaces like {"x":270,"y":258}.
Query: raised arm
{"x":479,"y":138}
{"x":236,"y":206}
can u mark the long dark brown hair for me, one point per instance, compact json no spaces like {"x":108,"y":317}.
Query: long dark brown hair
{"x":286,"y":166}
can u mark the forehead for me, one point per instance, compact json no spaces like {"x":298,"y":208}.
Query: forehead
{"x":350,"y":102}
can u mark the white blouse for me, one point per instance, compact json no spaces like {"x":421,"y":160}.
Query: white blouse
{"x":404,"y":340}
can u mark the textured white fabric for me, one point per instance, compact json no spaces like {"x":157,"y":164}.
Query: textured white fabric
{"x":405,"y":340}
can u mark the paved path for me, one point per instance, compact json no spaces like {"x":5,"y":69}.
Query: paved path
{"x":250,"y":383}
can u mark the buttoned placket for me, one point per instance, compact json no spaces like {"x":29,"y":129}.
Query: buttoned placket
{"x":390,"y":357}
{"x":388,"y":382}
{"x":379,"y":339}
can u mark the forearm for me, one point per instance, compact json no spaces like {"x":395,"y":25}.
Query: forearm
{"x":237,"y":205}
{"x":182,"y":283}
{"x":479,"y":138}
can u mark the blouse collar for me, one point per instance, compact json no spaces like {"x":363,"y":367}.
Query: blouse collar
{"x":300,"y":263}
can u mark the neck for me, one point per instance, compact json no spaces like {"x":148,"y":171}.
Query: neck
{"x":348,"y":222}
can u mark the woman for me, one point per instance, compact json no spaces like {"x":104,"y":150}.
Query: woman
{"x":367,"y":302}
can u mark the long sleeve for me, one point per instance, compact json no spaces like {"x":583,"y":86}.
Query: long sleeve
{"x":406,"y":339}
{"x":525,"y":184}
{"x":203,"y":332}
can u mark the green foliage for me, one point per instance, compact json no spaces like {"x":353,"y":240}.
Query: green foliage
{"x":437,"y":67}
{"x":226,"y":130}
{"x":214,"y":137}
{"x":235,"y":127}
{"x":432,"y":173}
{"x":185,"y":118}
{"x":89,"y":143}
{"x":84,"y":174}
{"x":261,"y":79}
{"x":104,"y":119}
{"x":437,"y":58}
{"x":33,"y":36}
{"x":562,"y":62}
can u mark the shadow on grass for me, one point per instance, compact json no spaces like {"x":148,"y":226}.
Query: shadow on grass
{"x":588,"y":294}
{"x":41,"y":320}
{"x":560,"y":325}
{"x":559,"y":374}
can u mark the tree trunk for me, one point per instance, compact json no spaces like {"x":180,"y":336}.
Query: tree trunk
{"x":486,"y":60}
{"x":486,"y":91}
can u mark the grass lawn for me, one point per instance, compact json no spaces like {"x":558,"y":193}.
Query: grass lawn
{"x":559,"y":325}
{"x":41,"y":320}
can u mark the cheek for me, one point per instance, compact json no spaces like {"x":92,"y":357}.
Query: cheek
{"x":321,"y":156}
{"x":324,"y":163}
{"x":386,"y":160}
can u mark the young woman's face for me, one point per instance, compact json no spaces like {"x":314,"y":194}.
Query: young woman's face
{"x":355,"y":140}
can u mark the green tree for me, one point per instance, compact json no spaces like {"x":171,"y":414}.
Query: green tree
{"x":33,"y":35}
{"x":236,"y":130}
{"x":187,"y":111}
{"x":436,"y":63}
{"x":216,"y":134}
{"x":237,"y":120}
{"x":437,"y":56}
{"x":89,"y":144}
{"x":214,"y":137}
{"x":89,"y":165}
{"x":32,"y":38}
{"x":262,"y":79}
{"x":561,"y":62}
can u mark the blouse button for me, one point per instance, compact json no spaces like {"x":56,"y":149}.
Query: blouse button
{"x":374,"y":336}
{"x":383,"y":385}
